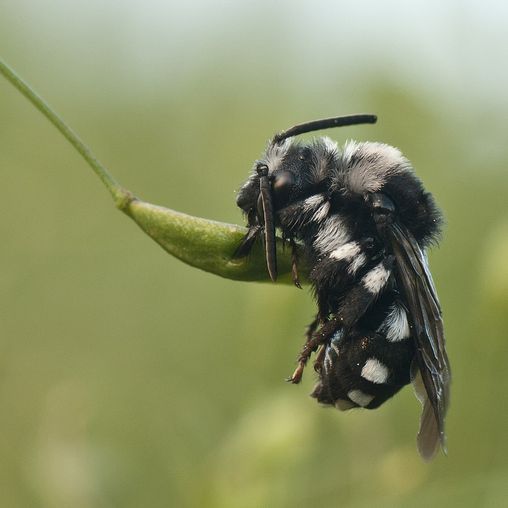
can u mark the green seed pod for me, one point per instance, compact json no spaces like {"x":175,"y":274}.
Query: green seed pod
{"x":206,"y":244}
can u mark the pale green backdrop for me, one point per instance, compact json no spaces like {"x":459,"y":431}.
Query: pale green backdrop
{"x":130,"y":380}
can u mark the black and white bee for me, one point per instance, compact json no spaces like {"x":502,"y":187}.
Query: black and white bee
{"x":363,"y":220}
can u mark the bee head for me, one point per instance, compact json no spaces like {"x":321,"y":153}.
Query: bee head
{"x":287,"y":172}
{"x":291,"y":169}
{"x":284,"y":166}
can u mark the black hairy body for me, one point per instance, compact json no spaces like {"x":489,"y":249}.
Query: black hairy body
{"x":364,"y":220}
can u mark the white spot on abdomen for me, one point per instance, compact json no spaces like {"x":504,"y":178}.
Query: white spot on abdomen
{"x":375,"y":280}
{"x":357,"y":263}
{"x":350,"y":251}
{"x":346,"y":251}
{"x":344,"y":405}
{"x":361,"y":398}
{"x":374,"y":371}
{"x":396,"y":325}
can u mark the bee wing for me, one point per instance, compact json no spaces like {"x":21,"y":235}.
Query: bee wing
{"x":419,"y":294}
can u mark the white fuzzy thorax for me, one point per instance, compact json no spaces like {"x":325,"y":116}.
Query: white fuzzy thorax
{"x":275,"y":154}
{"x":332,"y":234}
{"x":318,"y":206}
{"x":313,"y":202}
{"x":322,"y":212}
{"x":366,"y":166}
{"x":330,"y":144}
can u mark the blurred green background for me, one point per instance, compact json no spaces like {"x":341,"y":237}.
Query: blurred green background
{"x":130,"y":380}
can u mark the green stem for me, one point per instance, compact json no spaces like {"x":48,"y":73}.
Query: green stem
{"x":202,"y":243}
{"x":120,"y":195}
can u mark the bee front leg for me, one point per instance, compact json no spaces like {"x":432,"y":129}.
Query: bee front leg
{"x":294,"y":264}
{"x":311,"y":329}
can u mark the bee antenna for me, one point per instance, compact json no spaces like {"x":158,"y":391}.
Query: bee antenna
{"x":325,"y":123}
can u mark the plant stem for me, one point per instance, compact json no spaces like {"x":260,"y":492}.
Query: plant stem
{"x":202,"y":243}
{"x":121,"y":196}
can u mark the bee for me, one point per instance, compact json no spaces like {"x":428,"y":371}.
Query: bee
{"x":363,"y":220}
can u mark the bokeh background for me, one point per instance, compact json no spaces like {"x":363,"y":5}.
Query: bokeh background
{"x":130,"y":380}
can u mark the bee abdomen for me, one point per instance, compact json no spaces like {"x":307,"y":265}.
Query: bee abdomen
{"x":363,"y":370}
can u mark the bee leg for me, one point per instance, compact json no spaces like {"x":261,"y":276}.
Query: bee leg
{"x":294,"y":264}
{"x":320,"y":357}
{"x":358,"y":300}
{"x":383,"y":210}
{"x":303,"y":358}
{"x":352,"y":308}
{"x":311,"y":329}
{"x":312,"y":344}
{"x":247,"y":242}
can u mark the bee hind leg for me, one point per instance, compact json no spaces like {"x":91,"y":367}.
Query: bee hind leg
{"x":314,"y":341}
{"x":320,"y":357}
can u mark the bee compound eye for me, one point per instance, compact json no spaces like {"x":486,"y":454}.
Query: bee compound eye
{"x":282,"y":181}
